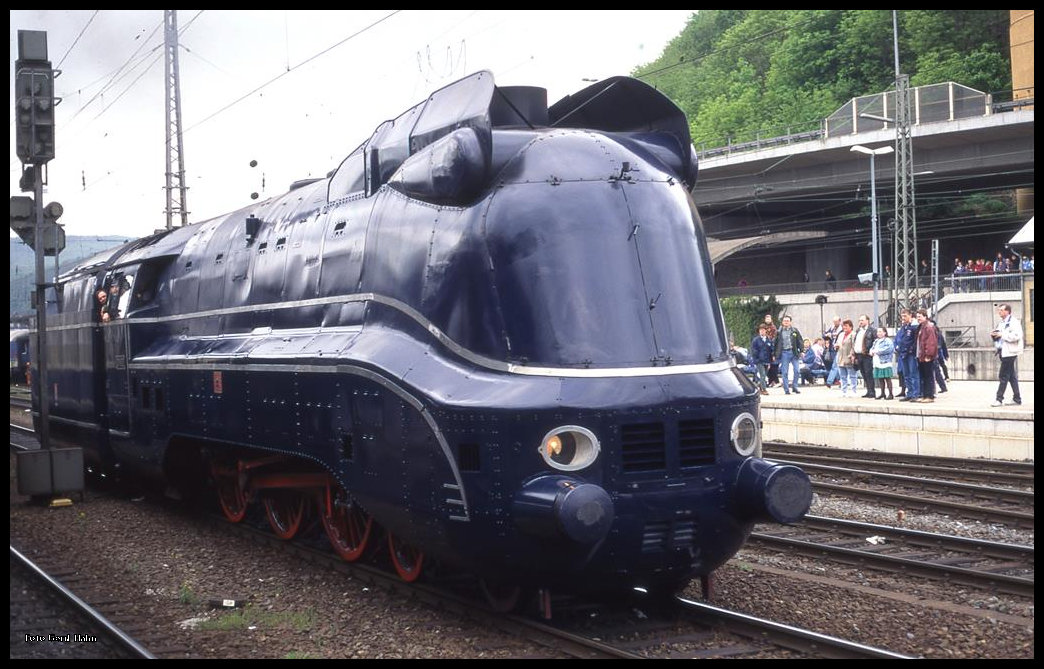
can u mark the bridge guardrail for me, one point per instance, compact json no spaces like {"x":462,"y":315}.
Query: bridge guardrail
{"x":933,"y":103}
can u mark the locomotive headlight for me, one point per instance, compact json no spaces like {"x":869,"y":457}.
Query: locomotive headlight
{"x":569,"y":448}
{"x":745,"y":435}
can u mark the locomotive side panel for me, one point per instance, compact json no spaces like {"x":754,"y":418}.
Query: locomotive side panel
{"x":74,"y":348}
{"x":458,"y":294}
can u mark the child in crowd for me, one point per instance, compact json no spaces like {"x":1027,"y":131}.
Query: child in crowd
{"x":883,"y":352}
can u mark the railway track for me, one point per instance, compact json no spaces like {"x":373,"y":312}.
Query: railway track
{"x":988,"y":503}
{"x":915,"y":500}
{"x":998,"y":567}
{"x":973,"y":470}
{"x":50,"y":621}
{"x":684,"y":629}
{"x":819,"y":645}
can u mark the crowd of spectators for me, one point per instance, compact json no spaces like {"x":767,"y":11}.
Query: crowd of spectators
{"x":971,"y":275}
{"x":848,"y":353}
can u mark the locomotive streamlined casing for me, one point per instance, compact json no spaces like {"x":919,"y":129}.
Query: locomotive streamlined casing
{"x":418,"y":323}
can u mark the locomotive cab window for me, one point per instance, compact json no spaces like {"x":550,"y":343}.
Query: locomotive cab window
{"x":126,"y":288}
{"x":143,"y":282}
{"x":117,"y":296}
{"x":349,"y":177}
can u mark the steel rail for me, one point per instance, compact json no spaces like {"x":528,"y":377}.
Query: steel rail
{"x":787,"y":635}
{"x":1015,"y":518}
{"x":1014,"y":585}
{"x":967,"y":489}
{"x":112,"y":630}
{"x":955,"y":471}
{"x":893,"y":458}
{"x":917,"y":537}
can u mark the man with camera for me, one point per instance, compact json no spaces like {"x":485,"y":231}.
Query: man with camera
{"x":1007,"y":337}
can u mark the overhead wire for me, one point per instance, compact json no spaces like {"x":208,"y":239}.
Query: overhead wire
{"x":75,"y":41}
{"x":117,"y":75}
{"x":843,"y":208}
{"x":291,"y":69}
{"x":132,"y":64}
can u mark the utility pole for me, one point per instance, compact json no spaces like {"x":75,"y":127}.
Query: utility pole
{"x":905,"y":247}
{"x":176,"y":204}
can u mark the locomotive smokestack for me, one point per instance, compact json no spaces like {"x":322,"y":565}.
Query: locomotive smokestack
{"x":519,"y":105}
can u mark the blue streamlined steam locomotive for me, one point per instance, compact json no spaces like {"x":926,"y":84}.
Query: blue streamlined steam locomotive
{"x":490,"y":337}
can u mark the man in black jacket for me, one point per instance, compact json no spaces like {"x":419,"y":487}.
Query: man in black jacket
{"x":864,"y":342}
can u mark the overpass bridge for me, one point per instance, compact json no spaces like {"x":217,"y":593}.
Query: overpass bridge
{"x":813,"y":182}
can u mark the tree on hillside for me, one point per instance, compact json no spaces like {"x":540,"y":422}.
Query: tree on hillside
{"x":738,"y":72}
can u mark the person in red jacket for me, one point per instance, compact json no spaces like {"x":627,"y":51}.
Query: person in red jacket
{"x":927,"y":350}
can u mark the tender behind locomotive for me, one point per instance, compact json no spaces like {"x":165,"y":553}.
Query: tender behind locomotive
{"x":19,"y":357}
{"x":492,"y":330}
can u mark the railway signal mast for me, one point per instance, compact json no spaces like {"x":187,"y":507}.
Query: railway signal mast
{"x":35,"y":224}
{"x":46,"y":471}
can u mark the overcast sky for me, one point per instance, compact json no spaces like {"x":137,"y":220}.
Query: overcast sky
{"x":295,"y":91}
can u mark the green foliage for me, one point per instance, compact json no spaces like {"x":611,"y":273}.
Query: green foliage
{"x":251,"y":616}
{"x":737,"y":73}
{"x":743,"y":313}
{"x":969,"y":47}
{"x":186,"y":595}
{"x":983,"y":207}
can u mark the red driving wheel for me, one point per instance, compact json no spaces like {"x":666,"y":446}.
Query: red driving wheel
{"x":347,"y":526}
{"x":231,"y":495}
{"x":407,"y":559}
{"x":285,"y":509}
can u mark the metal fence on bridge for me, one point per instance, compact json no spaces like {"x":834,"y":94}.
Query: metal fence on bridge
{"x":949,"y":284}
{"x":933,"y":103}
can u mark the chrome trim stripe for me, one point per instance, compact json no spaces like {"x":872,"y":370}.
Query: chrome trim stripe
{"x":439,"y":335}
{"x":69,"y":421}
{"x":334,"y":369}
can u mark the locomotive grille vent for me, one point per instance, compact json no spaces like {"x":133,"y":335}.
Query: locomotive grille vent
{"x":347,"y":452}
{"x":468,"y":458}
{"x":654,"y":538}
{"x":696,"y":442}
{"x":643,"y":447}
{"x":663,"y":535}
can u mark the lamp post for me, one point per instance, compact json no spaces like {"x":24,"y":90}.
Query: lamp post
{"x":876,"y":269}
{"x":821,"y":300}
